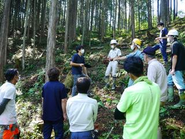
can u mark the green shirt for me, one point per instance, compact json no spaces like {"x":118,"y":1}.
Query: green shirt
{"x":141,"y":104}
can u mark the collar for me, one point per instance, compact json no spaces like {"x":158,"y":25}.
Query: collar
{"x":152,"y":61}
{"x":141,"y":79}
{"x":82,"y":95}
{"x":10,"y":83}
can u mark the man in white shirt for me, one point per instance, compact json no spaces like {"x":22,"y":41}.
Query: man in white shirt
{"x":156,"y":72}
{"x":8,"y":120}
{"x":82,"y":111}
{"x":112,"y":66}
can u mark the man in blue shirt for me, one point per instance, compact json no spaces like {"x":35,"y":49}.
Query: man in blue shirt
{"x":78,"y":67}
{"x":162,"y":41}
{"x":54,"y":105}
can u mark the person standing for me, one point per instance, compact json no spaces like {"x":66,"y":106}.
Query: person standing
{"x":177,"y":69}
{"x":135,"y":47}
{"x":78,"y":67}
{"x":8,"y":119}
{"x":162,"y":39}
{"x":54,"y":105}
{"x":82,"y":111}
{"x":139,"y":103}
{"x":113,"y":65}
{"x":156,"y":72}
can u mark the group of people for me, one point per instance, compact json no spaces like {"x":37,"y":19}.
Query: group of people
{"x":139,"y":103}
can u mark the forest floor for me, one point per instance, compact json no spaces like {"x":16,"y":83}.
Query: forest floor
{"x":29,"y":98}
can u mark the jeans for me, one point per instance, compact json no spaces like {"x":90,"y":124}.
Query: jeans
{"x":75,"y":77}
{"x":162,"y":47}
{"x":81,"y":135}
{"x":58,"y":128}
{"x":177,"y":79}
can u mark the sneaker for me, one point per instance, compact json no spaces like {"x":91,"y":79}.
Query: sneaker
{"x":113,"y":87}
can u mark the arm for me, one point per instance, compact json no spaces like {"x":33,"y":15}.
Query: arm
{"x":152,"y":73}
{"x":63,"y":103}
{"x":95,"y":112}
{"x":174,"y":62}
{"x":119,"y":115}
{"x":120,"y":58}
{"x":3,"y":105}
{"x":85,"y":70}
{"x":76,"y":64}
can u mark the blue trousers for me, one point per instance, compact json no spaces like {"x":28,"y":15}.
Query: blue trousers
{"x":57,"y":126}
{"x":81,"y":135}
{"x":162,"y":47}
{"x":177,"y":79}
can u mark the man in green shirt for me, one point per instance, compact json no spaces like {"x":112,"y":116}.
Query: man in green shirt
{"x":140,"y":103}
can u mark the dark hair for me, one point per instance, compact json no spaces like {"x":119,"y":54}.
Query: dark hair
{"x":79,"y":47}
{"x":53,"y":74}
{"x":134,"y":65}
{"x":10,"y":73}
{"x":160,"y":24}
{"x":83,"y":84}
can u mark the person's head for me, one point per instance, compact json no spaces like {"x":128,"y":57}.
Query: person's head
{"x":172,"y":35}
{"x":149,"y":54}
{"x":53,"y":74}
{"x":160,"y":26}
{"x":136,"y":43}
{"x":83,"y":84}
{"x":80,"y":50}
{"x":134,"y":67}
{"x":12,"y":75}
{"x":113,"y":44}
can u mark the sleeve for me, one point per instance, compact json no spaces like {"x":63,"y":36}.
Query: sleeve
{"x":95,"y":111}
{"x":151,"y":73}
{"x":119,"y":52}
{"x":73,"y":59}
{"x":63,"y":92}
{"x":174,"y":49}
{"x":83,"y":60}
{"x":125,"y":102}
{"x":129,"y":55}
{"x":164,"y":32}
{"x":9,"y":94}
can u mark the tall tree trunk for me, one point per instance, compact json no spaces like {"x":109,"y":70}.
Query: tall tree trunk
{"x":125,"y":17}
{"x":51,"y":40}
{"x":170,"y":11}
{"x":119,"y":14}
{"x":4,"y":37}
{"x":66,"y":28}
{"x":42,"y":20}
{"x":24,"y":35}
{"x":115,"y":18}
{"x":132,"y":18}
{"x":103,"y":21}
{"x":149,"y":14}
{"x":158,"y":13}
{"x":163,"y":9}
{"x":34,"y":26}
{"x":174,"y":9}
{"x":139,"y":14}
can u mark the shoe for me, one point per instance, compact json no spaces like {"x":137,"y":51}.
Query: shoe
{"x":113,"y":87}
{"x":181,"y":103}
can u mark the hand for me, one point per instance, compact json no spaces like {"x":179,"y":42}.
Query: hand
{"x":65,"y":117}
{"x":81,"y":65}
{"x":158,"y":38}
{"x":115,"y":59}
{"x":110,"y":59}
{"x":172,"y":72}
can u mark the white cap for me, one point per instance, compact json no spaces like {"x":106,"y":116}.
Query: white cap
{"x":173,"y":32}
{"x":113,"y":42}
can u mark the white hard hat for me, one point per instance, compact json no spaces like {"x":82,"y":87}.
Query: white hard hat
{"x":113,"y":42}
{"x":173,"y":32}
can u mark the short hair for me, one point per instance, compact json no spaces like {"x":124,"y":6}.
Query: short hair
{"x":83,"y":84}
{"x":53,"y":74}
{"x":10,"y":73}
{"x":160,"y":24}
{"x":79,"y":47}
{"x":134,"y":65}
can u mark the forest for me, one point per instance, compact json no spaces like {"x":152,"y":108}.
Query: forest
{"x":36,"y":35}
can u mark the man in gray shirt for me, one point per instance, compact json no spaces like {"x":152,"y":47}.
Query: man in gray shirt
{"x":156,"y":72}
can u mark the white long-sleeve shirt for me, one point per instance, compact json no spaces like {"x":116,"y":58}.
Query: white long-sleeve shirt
{"x":82,"y":113}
